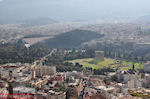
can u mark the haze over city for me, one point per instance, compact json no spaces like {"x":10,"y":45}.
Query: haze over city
{"x":73,"y":9}
{"x":74,"y":49}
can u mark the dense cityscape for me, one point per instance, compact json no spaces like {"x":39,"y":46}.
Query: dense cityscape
{"x":74,"y":49}
{"x":40,"y":81}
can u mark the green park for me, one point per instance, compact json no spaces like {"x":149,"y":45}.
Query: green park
{"x":107,"y":63}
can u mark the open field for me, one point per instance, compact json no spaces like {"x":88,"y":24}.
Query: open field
{"x":112,"y":63}
{"x":34,"y":40}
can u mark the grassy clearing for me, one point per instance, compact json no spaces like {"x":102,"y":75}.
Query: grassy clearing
{"x":112,"y":63}
{"x":140,"y":95}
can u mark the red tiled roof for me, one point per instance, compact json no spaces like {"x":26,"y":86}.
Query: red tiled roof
{"x":11,"y":66}
{"x":56,"y":78}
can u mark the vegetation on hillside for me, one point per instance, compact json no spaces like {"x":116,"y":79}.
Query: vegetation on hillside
{"x":12,"y":53}
{"x":72,"y":39}
{"x":123,"y":51}
{"x":140,"y":95}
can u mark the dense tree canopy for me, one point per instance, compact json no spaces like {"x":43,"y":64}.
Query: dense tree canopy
{"x":72,"y":39}
{"x":17,"y":52}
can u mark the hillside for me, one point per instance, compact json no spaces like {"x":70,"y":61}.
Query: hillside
{"x":72,"y":39}
{"x":144,"y":18}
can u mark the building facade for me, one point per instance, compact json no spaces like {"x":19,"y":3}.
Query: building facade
{"x":99,"y":55}
{"x":45,"y":70}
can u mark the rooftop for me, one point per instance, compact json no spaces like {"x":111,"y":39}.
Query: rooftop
{"x":22,"y":89}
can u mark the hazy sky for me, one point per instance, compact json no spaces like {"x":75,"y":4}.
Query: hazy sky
{"x":73,"y":9}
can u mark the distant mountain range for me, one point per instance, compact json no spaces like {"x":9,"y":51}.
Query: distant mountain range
{"x":29,"y":22}
{"x":46,"y":20}
{"x":144,"y":18}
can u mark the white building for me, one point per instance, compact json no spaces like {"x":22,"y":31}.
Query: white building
{"x":10,"y":71}
{"x":22,"y":92}
{"x":21,"y":89}
{"x":131,"y":78}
